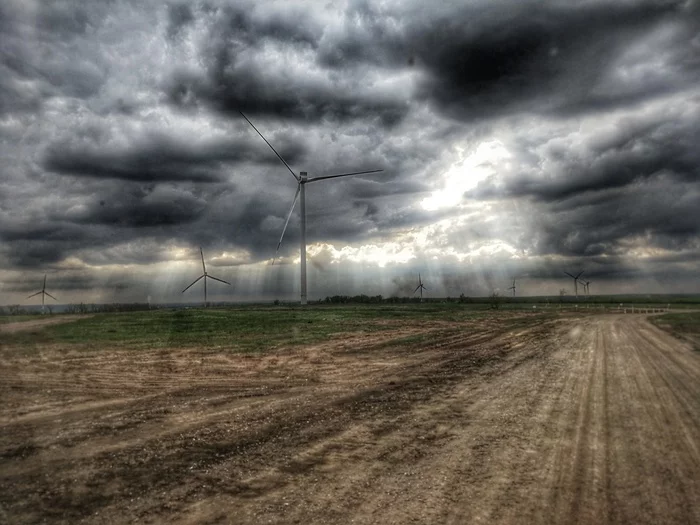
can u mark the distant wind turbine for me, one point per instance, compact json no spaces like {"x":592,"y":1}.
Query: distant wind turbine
{"x":302,"y":180}
{"x":43,"y":293}
{"x":575,"y":278}
{"x":420,"y":287}
{"x":205,"y":276}
{"x":586,"y":288}
{"x":513,"y":288}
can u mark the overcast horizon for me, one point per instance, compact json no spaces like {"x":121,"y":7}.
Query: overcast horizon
{"x":518,"y":139}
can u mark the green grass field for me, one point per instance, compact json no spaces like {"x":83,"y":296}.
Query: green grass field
{"x":264,"y":328}
{"x":16,"y":318}
{"x":685,"y":325}
{"x":244,"y":329}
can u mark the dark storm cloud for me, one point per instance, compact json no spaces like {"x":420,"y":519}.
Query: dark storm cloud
{"x":486,"y":59}
{"x":159,"y":158}
{"x":231,"y":89}
{"x":50,"y":231}
{"x":142,"y":208}
{"x":236,"y":78}
{"x":40,"y":57}
{"x":40,"y":252}
{"x":652,"y":214}
{"x":533,"y":56}
{"x":179,"y":15}
{"x":121,"y":139}
{"x":637,"y":151}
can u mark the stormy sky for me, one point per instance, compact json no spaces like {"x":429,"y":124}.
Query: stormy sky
{"x":519,"y":139}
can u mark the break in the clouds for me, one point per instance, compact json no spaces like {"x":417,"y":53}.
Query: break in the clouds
{"x":517,"y":138}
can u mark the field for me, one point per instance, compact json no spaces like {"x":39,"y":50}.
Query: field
{"x":433,"y":413}
{"x":684,"y":325}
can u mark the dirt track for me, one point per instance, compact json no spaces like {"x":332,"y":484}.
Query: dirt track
{"x":589,"y":421}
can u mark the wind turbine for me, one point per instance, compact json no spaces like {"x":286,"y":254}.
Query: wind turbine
{"x":205,"y":276}
{"x":43,"y":293}
{"x":513,"y":287}
{"x":575,"y":281}
{"x":302,"y":180}
{"x":586,"y":284}
{"x":420,"y":287}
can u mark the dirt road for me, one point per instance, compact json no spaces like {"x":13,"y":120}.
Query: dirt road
{"x":591,"y":420}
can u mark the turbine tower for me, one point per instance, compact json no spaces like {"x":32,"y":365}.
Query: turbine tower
{"x":420,"y":287}
{"x":43,"y":293}
{"x":302,"y":180}
{"x":205,"y":276}
{"x":513,"y":287}
{"x":575,"y":278}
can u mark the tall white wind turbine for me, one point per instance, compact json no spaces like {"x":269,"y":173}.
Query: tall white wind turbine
{"x":302,"y":180}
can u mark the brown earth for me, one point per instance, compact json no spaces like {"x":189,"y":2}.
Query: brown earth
{"x":588,"y":420}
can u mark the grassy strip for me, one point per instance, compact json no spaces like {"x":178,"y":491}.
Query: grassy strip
{"x":245,"y":329}
{"x":685,"y":325}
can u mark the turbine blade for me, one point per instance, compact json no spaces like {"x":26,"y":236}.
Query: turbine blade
{"x":52,"y":297}
{"x":417,"y":288}
{"x":202,"y":254}
{"x":324,"y":177}
{"x":195,"y":281}
{"x":579,"y":274}
{"x":44,"y":287}
{"x":567,"y":273}
{"x":424,"y":288}
{"x":220,"y":280}
{"x":289,"y":215}
{"x":41,"y":291}
{"x":273,"y":149}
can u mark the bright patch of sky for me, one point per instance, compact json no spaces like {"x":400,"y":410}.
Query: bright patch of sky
{"x":467,"y":172}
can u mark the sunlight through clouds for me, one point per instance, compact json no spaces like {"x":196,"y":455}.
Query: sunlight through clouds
{"x":466,"y":173}
{"x":376,"y":254}
{"x":504,"y":150}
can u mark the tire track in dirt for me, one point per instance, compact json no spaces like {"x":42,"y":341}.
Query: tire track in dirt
{"x":591,"y":420}
{"x":491,"y":438}
{"x":258,"y":426}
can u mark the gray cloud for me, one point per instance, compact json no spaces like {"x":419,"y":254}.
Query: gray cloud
{"x":636,"y":150}
{"x":238,"y":76}
{"x":489,"y":58}
{"x":158,"y":158}
{"x":122,"y":144}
